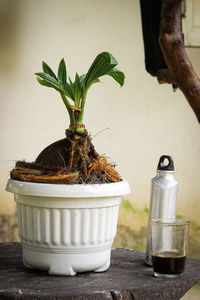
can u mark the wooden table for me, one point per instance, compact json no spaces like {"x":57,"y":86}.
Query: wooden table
{"x":127,"y":278}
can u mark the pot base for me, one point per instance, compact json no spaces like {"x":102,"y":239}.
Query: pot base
{"x":67,"y":264}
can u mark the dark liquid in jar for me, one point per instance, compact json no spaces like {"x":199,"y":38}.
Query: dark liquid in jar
{"x":168,"y":263}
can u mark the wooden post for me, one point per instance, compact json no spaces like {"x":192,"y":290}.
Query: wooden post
{"x":180,"y":71}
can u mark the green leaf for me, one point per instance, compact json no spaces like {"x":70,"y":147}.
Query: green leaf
{"x":117,"y":75}
{"x":48,"y":70}
{"x":96,"y":80}
{"x":77,"y":90}
{"x":103,"y":63}
{"x":68,"y":91}
{"x":82,"y":79}
{"x":44,"y":82}
{"x":50,"y":80}
{"x":72,"y":86}
{"x":62,"y":73}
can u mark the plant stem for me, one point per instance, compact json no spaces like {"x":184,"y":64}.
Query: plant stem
{"x":70,"y":111}
{"x":80,"y":117}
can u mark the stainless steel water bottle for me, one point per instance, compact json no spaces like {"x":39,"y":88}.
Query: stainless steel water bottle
{"x":163,"y":197}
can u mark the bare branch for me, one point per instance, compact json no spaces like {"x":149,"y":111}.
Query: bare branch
{"x":163,"y":76}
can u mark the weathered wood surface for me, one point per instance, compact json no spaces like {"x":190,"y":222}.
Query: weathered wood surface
{"x":127,"y":278}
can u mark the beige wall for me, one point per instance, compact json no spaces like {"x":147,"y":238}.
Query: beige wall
{"x":145,"y":120}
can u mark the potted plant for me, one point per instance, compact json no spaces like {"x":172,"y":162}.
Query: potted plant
{"x":68,"y":199}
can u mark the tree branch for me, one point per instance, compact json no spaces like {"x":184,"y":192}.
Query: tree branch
{"x":180,"y":71}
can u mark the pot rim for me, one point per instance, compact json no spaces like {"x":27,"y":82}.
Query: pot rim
{"x":68,"y":190}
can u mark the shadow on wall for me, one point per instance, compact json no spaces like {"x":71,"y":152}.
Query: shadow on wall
{"x":131,"y":231}
{"x":8,"y":34}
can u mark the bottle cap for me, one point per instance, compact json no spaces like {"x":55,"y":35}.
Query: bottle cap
{"x":163,"y":166}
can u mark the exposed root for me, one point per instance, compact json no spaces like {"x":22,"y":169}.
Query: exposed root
{"x":83,"y":162}
{"x":58,"y":178}
{"x":71,"y":160}
{"x":101,"y":165}
{"x":39,"y":169}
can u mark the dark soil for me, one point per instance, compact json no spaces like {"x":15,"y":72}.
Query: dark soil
{"x":70,"y":160}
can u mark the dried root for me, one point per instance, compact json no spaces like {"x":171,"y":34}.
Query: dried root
{"x":101,"y":165}
{"x":67,"y":161}
{"x":31,"y":175}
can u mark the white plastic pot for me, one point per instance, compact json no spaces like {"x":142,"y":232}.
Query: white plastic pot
{"x":66,"y":229}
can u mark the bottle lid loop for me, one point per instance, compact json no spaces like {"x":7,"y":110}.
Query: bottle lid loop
{"x":169,"y":166}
